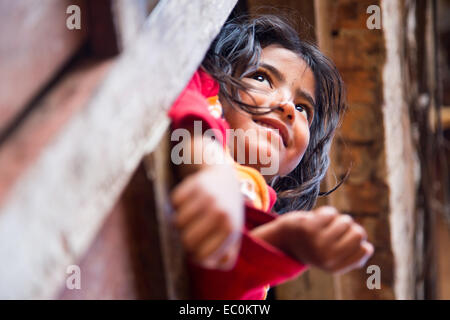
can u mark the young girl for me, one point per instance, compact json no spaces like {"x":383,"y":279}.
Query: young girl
{"x":258,"y":76}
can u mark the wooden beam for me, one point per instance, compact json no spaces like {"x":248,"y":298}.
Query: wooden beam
{"x":124,"y":261}
{"x":159,"y":170}
{"x":35,"y":45}
{"x":50,"y":114}
{"x":401,"y":157}
{"x":55,"y":208}
{"x":129,"y":17}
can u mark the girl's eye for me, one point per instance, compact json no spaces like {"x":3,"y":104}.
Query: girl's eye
{"x":304,"y":108}
{"x":262,"y":78}
{"x":301,"y":108}
{"x":259,"y":77}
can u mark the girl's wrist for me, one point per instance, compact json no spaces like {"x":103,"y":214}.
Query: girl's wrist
{"x":285,"y":236}
{"x":274,"y":233}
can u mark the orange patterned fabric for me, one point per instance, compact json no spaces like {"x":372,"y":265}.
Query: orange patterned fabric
{"x":253,"y":187}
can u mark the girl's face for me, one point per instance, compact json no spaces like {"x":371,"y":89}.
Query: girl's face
{"x":284,"y":82}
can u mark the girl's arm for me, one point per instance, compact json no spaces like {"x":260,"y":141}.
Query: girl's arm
{"x":209,"y":208}
{"x":207,"y":201}
{"x":323,"y":238}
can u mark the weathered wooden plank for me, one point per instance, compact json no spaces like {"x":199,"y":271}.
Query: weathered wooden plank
{"x":35,"y":44}
{"x":401,"y":161}
{"x":54,"y":210}
{"x":129,"y":16}
{"x":51,"y":114}
{"x":160,"y":171}
{"x":430,"y":146}
{"x":124,"y":261}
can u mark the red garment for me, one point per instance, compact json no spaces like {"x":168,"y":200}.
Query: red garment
{"x":259,"y":264}
{"x":191,"y":105}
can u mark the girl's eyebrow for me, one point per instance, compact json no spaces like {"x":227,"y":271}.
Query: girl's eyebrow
{"x":305,"y":95}
{"x":275,"y":71}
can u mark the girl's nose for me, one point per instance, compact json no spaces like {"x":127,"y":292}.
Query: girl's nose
{"x":287,"y":110}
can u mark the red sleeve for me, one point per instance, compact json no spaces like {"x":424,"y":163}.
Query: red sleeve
{"x":259,"y":264}
{"x":191,"y":105}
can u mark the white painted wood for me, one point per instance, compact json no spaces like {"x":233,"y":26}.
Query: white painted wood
{"x":57,"y":206}
{"x":129,"y":17}
{"x":401,"y":158}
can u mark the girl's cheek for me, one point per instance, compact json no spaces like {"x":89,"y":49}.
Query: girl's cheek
{"x":256,"y":98}
{"x":302,"y":139}
{"x":293,"y":157}
{"x":303,"y":144}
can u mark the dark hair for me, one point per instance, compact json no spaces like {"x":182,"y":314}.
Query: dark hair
{"x":236,"y":52}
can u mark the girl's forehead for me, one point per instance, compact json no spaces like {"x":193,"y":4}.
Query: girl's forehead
{"x":290,"y":66}
{"x":280,"y":55}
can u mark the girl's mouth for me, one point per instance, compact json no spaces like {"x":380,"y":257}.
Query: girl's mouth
{"x":273,"y":126}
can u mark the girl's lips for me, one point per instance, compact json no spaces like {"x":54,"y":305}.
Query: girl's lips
{"x":275,"y":124}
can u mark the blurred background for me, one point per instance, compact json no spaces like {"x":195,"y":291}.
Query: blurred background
{"x":84,"y":168}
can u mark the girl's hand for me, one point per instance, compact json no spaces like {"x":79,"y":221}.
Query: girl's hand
{"x":323,"y":238}
{"x":210,"y":215}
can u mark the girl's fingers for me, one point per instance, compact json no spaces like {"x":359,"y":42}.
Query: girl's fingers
{"x":224,"y":258}
{"x":190,"y":210}
{"x":348,"y":244}
{"x":214,"y":243}
{"x":323,"y":216}
{"x":183,"y":192}
{"x":337,"y":228}
{"x":357,"y":260}
{"x":199,"y":229}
